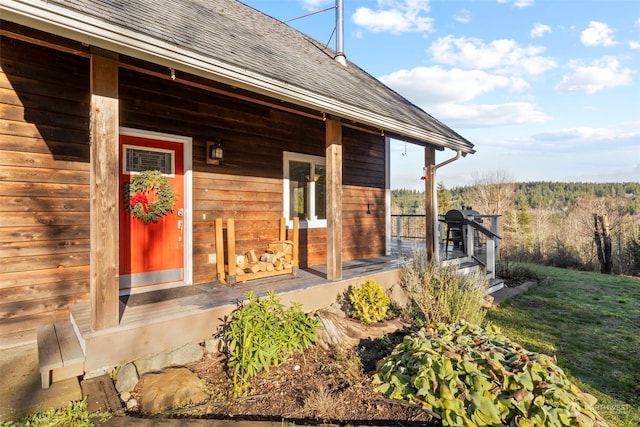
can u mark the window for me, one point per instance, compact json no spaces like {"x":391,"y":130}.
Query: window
{"x":137,"y":159}
{"x":305,"y":189}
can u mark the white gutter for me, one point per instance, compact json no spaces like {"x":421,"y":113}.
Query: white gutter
{"x":73,"y":25}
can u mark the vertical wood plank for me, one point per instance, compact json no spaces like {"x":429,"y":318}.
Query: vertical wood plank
{"x":219,"y":251}
{"x":296,"y":242}
{"x":431,"y":216}
{"x":231,"y":251}
{"x":283,"y":229}
{"x":104,"y":193}
{"x":334,"y":198}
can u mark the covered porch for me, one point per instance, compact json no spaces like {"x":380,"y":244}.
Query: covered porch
{"x":156,"y":321}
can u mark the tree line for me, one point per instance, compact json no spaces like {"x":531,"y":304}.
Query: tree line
{"x":552,"y":223}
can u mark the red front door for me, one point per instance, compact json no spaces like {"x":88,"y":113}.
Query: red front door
{"x":151,"y":253}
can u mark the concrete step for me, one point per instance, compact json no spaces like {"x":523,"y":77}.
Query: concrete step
{"x":495,"y":285}
{"x":60,"y":356}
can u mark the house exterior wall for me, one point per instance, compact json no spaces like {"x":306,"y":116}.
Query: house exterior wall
{"x":44,"y":165}
{"x":44,"y":184}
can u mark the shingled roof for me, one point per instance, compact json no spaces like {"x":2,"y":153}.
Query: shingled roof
{"x":230,"y":42}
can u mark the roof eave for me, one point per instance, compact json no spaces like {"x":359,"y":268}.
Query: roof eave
{"x":70,"y":24}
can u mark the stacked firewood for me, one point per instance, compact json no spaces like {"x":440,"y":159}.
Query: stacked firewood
{"x":277,"y":257}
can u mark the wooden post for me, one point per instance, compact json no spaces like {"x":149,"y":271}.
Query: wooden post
{"x":219,"y":251}
{"x":283,"y":229}
{"x":296,"y":244}
{"x":231,"y":251}
{"x":334,"y":198}
{"x":104,"y":192}
{"x":431,"y":211}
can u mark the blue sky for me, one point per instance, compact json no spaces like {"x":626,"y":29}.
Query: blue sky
{"x":546,"y":90}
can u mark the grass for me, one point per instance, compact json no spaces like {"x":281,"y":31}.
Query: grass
{"x":591,"y":323}
{"x":75,"y":414}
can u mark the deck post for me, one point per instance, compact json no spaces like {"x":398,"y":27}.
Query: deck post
{"x":104,"y":192}
{"x":334,"y":198}
{"x":431,"y":207}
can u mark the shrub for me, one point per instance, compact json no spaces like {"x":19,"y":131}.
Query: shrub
{"x":441,"y":294}
{"x":262,"y":333}
{"x":369,"y":302}
{"x":474,"y":376}
{"x":515,"y":274}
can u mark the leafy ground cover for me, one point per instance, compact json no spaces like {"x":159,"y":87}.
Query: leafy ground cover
{"x":591,"y":323}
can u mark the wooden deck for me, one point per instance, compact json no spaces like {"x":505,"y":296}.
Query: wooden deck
{"x":158,"y":321}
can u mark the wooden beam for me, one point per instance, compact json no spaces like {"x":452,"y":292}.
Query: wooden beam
{"x":431,"y":211}
{"x":334,"y":198}
{"x":104,"y":193}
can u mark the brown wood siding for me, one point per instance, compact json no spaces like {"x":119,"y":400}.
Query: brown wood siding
{"x":247,"y":186}
{"x":363,"y":195}
{"x":44,"y":184}
{"x":44,"y":176}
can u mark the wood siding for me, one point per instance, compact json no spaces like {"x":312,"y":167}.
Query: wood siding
{"x":45,"y":178}
{"x":44,"y":184}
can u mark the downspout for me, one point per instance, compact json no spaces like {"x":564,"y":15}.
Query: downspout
{"x":432,"y":175}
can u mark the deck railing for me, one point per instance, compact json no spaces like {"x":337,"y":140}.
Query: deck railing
{"x":481,"y":240}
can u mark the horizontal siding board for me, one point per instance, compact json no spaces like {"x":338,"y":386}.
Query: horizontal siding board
{"x":41,"y":189}
{"x":37,"y":277}
{"x":43,"y":262}
{"x":42,"y":247}
{"x":46,"y":204}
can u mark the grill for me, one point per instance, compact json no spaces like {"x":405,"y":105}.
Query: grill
{"x":460,"y":215}
{"x":455,"y":220}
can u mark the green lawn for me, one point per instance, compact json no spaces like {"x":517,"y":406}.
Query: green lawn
{"x":591,"y":323}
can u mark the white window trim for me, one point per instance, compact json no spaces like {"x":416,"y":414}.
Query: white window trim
{"x":288,"y":156}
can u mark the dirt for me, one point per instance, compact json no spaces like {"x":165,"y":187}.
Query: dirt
{"x":313,"y":388}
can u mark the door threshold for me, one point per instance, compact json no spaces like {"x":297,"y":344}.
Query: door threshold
{"x":151,"y":287}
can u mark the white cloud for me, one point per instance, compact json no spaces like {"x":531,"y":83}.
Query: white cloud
{"x":503,"y":56}
{"x":619,"y":136}
{"x":635,"y":45}
{"x":395,"y":16}
{"x":314,"y":5}
{"x":433,"y":85}
{"x":523,"y":3}
{"x":604,"y":73}
{"x":463,"y":16}
{"x":518,"y":3}
{"x":539,"y":30}
{"x":598,"y":34}
{"x":488,"y":115}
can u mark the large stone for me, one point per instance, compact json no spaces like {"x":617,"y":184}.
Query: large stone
{"x":181,"y":356}
{"x":168,"y":389}
{"x":339,"y":331}
{"x":398,"y":296}
{"x":127,"y":378}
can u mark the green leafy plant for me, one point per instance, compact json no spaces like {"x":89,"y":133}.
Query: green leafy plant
{"x":261,"y":333}
{"x":369,"y":302}
{"x":442,"y":294}
{"x":74,"y":414}
{"x":475,"y":376}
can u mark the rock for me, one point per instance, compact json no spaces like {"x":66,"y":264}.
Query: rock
{"x":186,"y":354}
{"x":214,"y":345}
{"x":169,"y":389}
{"x":127,"y":378}
{"x":132,"y":404}
{"x":487,"y":301}
{"x":399,"y":297}
{"x":343,"y":332}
